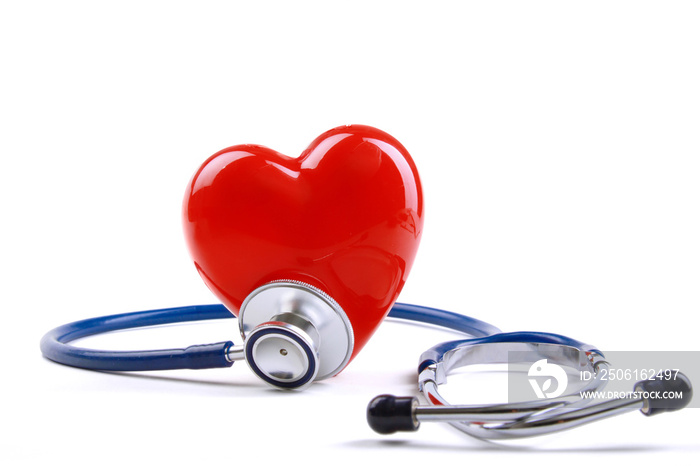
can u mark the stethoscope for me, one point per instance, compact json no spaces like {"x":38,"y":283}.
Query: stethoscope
{"x":286,"y":352}
{"x":310,"y":254}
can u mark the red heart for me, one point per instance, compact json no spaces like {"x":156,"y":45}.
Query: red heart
{"x":345,"y":217}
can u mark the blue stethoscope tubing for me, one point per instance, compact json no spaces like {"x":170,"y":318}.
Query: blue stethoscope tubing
{"x":55,"y":344}
{"x":385,"y":413}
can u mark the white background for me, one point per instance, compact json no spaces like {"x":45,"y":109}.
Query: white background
{"x":559,"y":149}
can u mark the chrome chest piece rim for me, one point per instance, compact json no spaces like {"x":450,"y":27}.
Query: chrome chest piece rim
{"x":294,"y":334}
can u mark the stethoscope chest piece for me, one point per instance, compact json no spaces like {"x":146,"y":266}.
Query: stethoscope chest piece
{"x":294,"y":334}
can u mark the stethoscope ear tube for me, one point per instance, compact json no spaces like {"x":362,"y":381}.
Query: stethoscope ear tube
{"x":388,"y":414}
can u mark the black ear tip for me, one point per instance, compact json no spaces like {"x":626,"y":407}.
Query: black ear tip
{"x":387,"y":414}
{"x":662,"y":394}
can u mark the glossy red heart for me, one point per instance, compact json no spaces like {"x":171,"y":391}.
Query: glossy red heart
{"x":346,"y":217}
